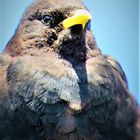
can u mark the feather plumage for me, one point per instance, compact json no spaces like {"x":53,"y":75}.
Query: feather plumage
{"x":56,"y":83}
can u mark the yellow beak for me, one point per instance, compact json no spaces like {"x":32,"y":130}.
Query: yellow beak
{"x":80,"y":17}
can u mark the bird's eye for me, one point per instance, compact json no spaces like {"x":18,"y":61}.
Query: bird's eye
{"x":88,"y":25}
{"x":46,"y":19}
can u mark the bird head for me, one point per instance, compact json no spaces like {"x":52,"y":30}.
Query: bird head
{"x":58,"y":26}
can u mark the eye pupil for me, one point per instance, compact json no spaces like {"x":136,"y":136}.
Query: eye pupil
{"x":88,"y":25}
{"x":46,"y":19}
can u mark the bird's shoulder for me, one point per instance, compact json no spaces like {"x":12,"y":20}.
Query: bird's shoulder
{"x":116,"y":67}
{"x":5,"y":61}
{"x":14,"y":71}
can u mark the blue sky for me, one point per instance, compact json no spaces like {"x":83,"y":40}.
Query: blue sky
{"x":115,"y":24}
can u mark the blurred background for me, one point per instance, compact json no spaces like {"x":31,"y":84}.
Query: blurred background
{"x":115,"y":24}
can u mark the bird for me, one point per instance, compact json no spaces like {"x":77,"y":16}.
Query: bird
{"x":56,"y":84}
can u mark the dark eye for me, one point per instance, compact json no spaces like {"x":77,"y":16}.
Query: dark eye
{"x":46,"y":19}
{"x":88,"y":25}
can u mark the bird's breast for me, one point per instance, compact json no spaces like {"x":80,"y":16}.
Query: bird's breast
{"x":57,"y":81}
{"x":53,"y":92}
